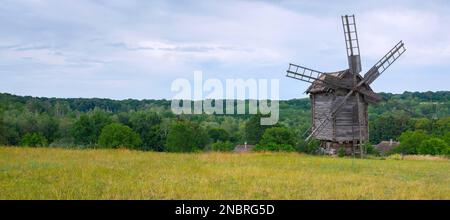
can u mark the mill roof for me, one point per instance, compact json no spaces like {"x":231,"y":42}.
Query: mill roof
{"x":345,"y":78}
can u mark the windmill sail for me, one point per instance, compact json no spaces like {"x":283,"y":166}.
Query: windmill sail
{"x":303,"y":73}
{"x":309,"y":75}
{"x":352,"y":43}
{"x":384,"y":63}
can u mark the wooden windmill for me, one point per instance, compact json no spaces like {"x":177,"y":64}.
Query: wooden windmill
{"x":340,"y":99}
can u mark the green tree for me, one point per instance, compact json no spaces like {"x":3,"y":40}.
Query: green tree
{"x":99,"y":120}
{"x":446,"y":138}
{"x":434,"y":146}
{"x":3,"y":134}
{"x":148,"y":126}
{"x":118,"y":135}
{"x":83,"y":131}
{"x":185,"y":136}
{"x":27,"y":122}
{"x":410,"y":141}
{"x":254,"y":130}
{"x":389,"y":126}
{"x":278,"y":135}
{"x":277,"y":139}
{"x":234,"y":128}
{"x":442,"y":126}
{"x":33,"y":140}
{"x":218,"y":134}
{"x":35,"y":105}
{"x":155,"y":138}
{"x":424,"y":124}
{"x":222,"y":146}
{"x":49,"y":127}
{"x":88,"y":127}
{"x":11,"y":129}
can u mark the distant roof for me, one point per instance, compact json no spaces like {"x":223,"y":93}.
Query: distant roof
{"x":384,"y":146}
{"x":243,"y":148}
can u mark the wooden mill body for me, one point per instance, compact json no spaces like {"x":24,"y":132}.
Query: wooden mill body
{"x":343,"y":130}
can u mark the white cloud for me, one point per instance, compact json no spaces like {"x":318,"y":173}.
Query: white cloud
{"x":423,"y":32}
{"x":147,"y":44}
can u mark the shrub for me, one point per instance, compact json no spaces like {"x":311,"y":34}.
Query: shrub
{"x":446,"y":138}
{"x":410,"y":142}
{"x":3,"y":136}
{"x":118,"y":135}
{"x":309,"y":147}
{"x":274,"y":147}
{"x":3,"y":139}
{"x":254,"y":130}
{"x":434,"y":146}
{"x":222,"y":146}
{"x":369,"y":149}
{"x":276,"y":139}
{"x":148,"y":125}
{"x":185,"y":136}
{"x":279,"y":136}
{"x":86,"y":130}
{"x":218,"y":134}
{"x":33,"y":140}
{"x":341,"y":152}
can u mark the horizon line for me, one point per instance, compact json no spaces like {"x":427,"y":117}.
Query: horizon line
{"x":113,"y":99}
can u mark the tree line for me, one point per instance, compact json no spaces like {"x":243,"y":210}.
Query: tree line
{"x":420,"y":121}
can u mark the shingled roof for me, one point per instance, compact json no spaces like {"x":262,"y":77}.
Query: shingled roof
{"x":385,"y":146}
{"x":345,"y":79}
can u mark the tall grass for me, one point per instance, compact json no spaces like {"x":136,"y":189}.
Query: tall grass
{"x":49,"y":173}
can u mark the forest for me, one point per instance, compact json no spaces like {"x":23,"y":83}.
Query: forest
{"x":419,"y":120}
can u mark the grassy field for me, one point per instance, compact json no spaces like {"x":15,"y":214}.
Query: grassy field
{"x":46,"y":173}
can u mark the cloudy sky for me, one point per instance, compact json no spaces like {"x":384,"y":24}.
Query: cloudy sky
{"x":135,"y":49}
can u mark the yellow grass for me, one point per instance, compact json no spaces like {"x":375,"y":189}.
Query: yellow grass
{"x":415,"y":157}
{"x":47,"y":173}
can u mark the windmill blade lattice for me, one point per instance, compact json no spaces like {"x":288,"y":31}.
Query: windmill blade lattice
{"x":351,"y":43}
{"x":303,"y":73}
{"x":384,"y":63}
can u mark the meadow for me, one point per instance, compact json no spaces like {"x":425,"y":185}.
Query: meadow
{"x":57,"y":173}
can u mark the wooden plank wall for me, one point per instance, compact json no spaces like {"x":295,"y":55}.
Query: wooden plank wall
{"x":345,"y":126}
{"x":322,"y":107}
